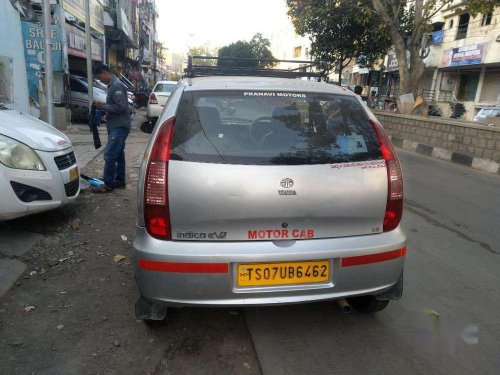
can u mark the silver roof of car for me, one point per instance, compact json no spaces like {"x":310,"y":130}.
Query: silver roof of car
{"x":263,"y":84}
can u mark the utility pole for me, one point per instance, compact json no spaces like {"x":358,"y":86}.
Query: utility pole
{"x":88,"y":50}
{"x":49,"y":102}
{"x":141,"y":46}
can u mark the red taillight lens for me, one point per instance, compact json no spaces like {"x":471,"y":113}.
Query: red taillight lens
{"x":153,"y":99}
{"x":394,"y":207}
{"x":156,"y":210}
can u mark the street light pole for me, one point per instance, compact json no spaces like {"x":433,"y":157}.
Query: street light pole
{"x":88,"y":50}
{"x":49,"y":102}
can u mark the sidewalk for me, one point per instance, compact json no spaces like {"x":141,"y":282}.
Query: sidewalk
{"x":83,"y":143}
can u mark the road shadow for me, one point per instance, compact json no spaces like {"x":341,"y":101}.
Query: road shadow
{"x":46,"y":223}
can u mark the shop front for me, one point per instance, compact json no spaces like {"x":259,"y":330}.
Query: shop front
{"x":466,"y":83}
{"x":76,"y":46}
{"x":75,"y":34}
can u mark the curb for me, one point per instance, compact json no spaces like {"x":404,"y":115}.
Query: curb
{"x":484,"y":165}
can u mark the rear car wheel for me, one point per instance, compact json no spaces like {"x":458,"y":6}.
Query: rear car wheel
{"x":155,"y":325}
{"x":367,"y":304}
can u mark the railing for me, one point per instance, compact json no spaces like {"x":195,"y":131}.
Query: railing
{"x":445,"y":96}
{"x":429,"y":95}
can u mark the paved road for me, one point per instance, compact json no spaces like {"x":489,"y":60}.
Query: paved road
{"x":452,"y":280}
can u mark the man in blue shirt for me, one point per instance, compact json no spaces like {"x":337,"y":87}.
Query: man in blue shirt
{"x":118,"y":125}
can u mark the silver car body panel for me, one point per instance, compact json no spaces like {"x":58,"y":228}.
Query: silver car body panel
{"x":81,"y":99}
{"x":331,"y":200}
{"x":263,"y":84}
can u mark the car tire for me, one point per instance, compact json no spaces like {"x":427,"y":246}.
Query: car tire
{"x":155,"y":325}
{"x":367,"y":304}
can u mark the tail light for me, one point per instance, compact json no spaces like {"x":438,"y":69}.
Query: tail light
{"x":153,"y":99}
{"x":394,"y":207}
{"x":156,"y":210}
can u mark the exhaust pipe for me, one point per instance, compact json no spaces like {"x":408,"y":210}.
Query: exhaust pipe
{"x":344,"y":306}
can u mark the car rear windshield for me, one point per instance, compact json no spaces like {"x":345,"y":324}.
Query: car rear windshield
{"x":164,"y":87}
{"x":272,"y":128}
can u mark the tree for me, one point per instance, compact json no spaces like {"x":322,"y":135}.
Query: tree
{"x":257,"y":48}
{"x":203,"y":50}
{"x":408,"y":22}
{"x":340,"y":30}
{"x":361,"y":22}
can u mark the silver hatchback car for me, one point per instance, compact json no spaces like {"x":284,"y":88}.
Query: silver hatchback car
{"x":293,"y":195}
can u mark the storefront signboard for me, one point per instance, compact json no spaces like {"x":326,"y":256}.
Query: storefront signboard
{"x":76,"y":43}
{"x":393,"y":63}
{"x":34,"y":51}
{"x":466,"y":55}
{"x":77,"y":9}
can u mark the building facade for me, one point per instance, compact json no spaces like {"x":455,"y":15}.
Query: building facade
{"x":463,"y":67}
{"x":123,"y":35}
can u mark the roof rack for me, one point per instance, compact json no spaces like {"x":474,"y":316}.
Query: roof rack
{"x":316,"y":68}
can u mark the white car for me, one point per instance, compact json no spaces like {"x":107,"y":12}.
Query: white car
{"x":38,"y":168}
{"x":488,"y":116}
{"x":158,"y":98}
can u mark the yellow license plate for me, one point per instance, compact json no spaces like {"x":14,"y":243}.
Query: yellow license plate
{"x":283,"y":273}
{"x":74,"y":174}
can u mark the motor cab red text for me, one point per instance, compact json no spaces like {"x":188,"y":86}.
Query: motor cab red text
{"x":280,"y":234}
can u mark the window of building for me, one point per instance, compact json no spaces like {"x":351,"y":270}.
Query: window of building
{"x":463,"y":25}
{"x":307,"y":53}
{"x":467,"y":86}
{"x":451,"y":24}
{"x":297,"y":52}
{"x":486,"y":19}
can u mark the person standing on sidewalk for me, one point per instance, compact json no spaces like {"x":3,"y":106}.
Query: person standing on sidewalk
{"x":118,"y":124}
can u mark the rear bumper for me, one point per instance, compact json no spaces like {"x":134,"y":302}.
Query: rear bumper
{"x":154,"y":110}
{"x":216,"y":286}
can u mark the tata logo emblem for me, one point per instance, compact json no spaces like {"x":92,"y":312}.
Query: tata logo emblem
{"x":287,"y":183}
{"x":61,"y":142}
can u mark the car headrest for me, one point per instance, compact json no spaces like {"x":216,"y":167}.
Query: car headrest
{"x":288,"y":115}
{"x":209,"y":116}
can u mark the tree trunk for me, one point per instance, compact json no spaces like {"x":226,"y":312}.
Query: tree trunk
{"x":410,"y":75}
{"x":341,"y":68}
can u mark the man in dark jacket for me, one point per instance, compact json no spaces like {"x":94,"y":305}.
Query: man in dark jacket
{"x":118,"y":125}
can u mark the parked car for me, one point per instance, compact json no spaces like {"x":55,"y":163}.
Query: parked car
{"x":488,"y":115}
{"x":79,"y":97}
{"x":296,"y":196}
{"x":130,"y":94}
{"x":158,"y":98}
{"x":38,"y":168}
